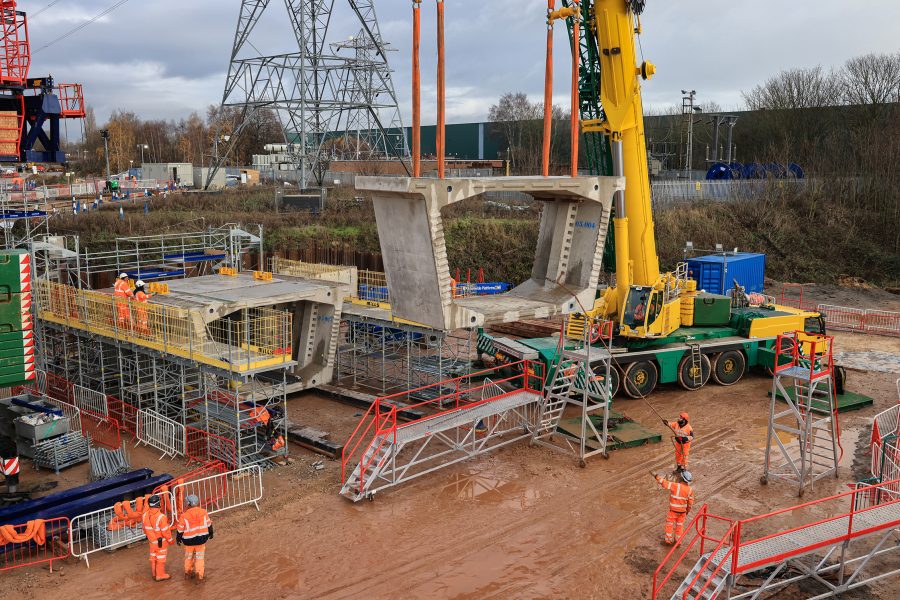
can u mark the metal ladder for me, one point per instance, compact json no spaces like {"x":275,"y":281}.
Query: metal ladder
{"x":696,"y":365}
{"x":556,"y":396}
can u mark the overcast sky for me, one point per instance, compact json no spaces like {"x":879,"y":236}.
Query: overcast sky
{"x":166,"y":58}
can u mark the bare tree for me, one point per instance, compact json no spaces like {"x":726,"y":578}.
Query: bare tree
{"x":795,"y":88}
{"x":870,"y":80}
{"x":519,"y":122}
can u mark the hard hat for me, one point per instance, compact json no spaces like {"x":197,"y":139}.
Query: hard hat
{"x":123,"y":275}
{"x":686,"y":475}
{"x":192,"y":500}
{"x":683,"y":415}
{"x":139,"y":283}
{"x":153,"y":501}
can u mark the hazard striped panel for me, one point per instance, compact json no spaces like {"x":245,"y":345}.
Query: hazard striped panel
{"x":17,"y":359}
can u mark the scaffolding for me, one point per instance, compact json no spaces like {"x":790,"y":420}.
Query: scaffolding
{"x":580,"y":386}
{"x":385,"y":357}
{"x":804,"y":381}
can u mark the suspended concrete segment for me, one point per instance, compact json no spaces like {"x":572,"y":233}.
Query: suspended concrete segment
{"x":567,"y":260}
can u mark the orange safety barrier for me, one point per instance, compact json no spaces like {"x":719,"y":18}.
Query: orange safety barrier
{"x":124,"y":413}
{"x":130,"y":516}
{"x":202,"y":446}
{"x":101,"y":429}
{"x":32,"y":543}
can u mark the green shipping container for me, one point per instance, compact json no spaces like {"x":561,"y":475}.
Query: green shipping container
{"x":711,"y":310}
{"x":15,"y":270}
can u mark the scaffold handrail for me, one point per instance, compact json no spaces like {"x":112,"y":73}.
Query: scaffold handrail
{"x":381,"y":420}
{"x":259,"y":340}
{"x":799,"y":351}
{"x":730,"y":556}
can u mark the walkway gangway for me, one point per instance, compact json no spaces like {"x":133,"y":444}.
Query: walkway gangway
{"x":866,"y":527}
{"x":486,"y":414}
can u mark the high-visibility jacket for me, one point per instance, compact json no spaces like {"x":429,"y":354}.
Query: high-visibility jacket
{"x":122,"y":289}
{"x":9,"y":466}
{"x":259,"y":414}
{"x":141,"y":296}
{"x":194,"y":526}
{"x":682,"y":433}
{"x":156,"y":526}
{"x":681,"y":496}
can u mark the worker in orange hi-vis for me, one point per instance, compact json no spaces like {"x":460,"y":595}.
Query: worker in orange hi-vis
{"x":684,"y":435}
{"x":681,"y":500}
{"x":122,"y":292}
{"x":140,"y":312}
{"x":193,"y":530}
{"x":158,"y":531}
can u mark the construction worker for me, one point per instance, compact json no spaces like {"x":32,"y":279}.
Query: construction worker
{"x":681,"y":500}
{"x":158,"y":531}
{"x":684,"y":435}
{"x":140,"y":312}
{"x":122,"y":292}
{"x":194,"y":529}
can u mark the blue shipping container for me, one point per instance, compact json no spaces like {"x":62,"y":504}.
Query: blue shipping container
{"x":716,"y":274}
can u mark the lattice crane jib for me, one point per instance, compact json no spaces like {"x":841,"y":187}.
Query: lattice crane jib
{"x":322,"y":91}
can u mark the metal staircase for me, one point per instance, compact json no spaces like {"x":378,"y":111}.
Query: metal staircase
{"x":467,"y":416}
{"x":803,"y":380}
{"x":579,"y":378}
{"x":704,"y":581}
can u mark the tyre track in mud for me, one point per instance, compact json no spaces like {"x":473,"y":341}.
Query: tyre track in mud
{"x":413,"y":575}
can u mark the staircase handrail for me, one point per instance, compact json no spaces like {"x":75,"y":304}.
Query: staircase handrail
{"x":732,"y":536}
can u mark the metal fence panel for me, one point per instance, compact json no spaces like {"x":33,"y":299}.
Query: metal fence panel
{"x":160,"y":432}
{"x":104,"y":530}
{"x":88,"y":399}
{"x":880,"y":322}
{"x":70,"y":411}
{"x":225,"y":491}
{"x":44,"y":546}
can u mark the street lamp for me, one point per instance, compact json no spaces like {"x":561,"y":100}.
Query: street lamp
{"x":143,"y":147}
{"x":104,"y":133}
{"x":69,"y":181}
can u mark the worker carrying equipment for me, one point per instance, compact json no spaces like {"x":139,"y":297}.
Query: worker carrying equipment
{"x":158,"y":531}
{"x":194,"y":529}
{"x":122,"y":292}
{"x":684,"y":435}
{"x":681,"y":500}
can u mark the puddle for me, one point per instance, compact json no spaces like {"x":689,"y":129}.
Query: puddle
{"x":490,"y":490}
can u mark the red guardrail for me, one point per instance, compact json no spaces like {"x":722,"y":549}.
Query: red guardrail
{"x":216,"y":467}
{"x":882,"y":491}
{"x":33,"y":543}
{"x":381,"y":419}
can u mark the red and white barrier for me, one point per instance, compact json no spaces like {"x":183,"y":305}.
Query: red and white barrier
{"x":879,"y":322}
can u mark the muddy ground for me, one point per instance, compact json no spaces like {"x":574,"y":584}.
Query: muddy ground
{"x":522,"y":522}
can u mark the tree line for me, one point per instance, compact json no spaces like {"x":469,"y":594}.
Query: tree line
{"x":196,"y":139}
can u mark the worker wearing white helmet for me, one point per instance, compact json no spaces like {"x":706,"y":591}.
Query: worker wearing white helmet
{"x":141,"y":297}
{"x":193,"y":530}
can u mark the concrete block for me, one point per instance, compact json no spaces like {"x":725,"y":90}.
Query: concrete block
{"x":567,"y":259}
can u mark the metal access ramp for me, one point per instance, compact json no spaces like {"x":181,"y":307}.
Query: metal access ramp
{"x":484,"y":414}
{"x":804,"y":380}
{"x":836,"y":552}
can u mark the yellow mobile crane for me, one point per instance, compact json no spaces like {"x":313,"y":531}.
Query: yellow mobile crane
{"x":644,"y":302}
{"x":667,"y":330}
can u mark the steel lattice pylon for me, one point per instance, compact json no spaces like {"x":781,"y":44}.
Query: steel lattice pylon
{"x":318,"y":90}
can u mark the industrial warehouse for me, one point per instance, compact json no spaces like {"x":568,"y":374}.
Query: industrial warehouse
{"x":317,"y":341}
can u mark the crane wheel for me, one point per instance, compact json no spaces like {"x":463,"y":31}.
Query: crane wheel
{"x":640,"y":379}
{"x":692,"y":377}
{"x":728,"y":367}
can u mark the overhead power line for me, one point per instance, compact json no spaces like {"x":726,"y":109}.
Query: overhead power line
{"x":79,"y":27}
{"x":34,"y":14}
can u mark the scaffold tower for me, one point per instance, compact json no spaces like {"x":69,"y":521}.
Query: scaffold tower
{"x":579,"y":385}
{"x":804,"y":381}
